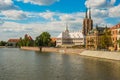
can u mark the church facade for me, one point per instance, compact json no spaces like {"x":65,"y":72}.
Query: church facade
{"x":69,"y":39}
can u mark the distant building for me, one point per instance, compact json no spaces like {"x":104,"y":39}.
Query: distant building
{"x":12,"y":42}
{"x":69,"y":39}
{"x":53,"y":39}
{"x":53,"y":42}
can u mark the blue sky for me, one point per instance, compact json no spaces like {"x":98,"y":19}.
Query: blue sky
{"x":18,"y":17}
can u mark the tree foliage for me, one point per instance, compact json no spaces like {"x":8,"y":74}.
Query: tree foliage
{"x":106,"y":40}
{"x":43,"y":39}
{"x":118,"y":41}
{"x":26,"y":41}
{"x":52,"y":44}
{"x":3,"y":43}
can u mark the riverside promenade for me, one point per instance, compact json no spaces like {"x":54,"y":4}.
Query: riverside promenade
{"x":97,"y":54}
{"x":102,"y":54}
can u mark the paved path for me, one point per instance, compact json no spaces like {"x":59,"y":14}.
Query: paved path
{"x":102,"y":54}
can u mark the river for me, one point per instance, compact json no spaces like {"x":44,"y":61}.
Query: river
{"x":16,"y":64}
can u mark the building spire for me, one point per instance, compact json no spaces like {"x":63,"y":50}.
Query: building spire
{"x":106,"y":26}
{"x":86,"y":16}
{"x":96,"y":26}
{"x":89,"y":13}
{"x":67,"y":28}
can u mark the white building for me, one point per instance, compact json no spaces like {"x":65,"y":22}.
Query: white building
{"x":67,"y":38}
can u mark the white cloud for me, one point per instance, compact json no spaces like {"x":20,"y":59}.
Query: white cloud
{"x":99,"y":13}
{"x":14,"y":14}
{"x":114,"y":11}
{"x":7,"y":5}
{"x":103,"y":10}
{"x":48,"y":15}
{"x":71,"y":17}
{"x":99,"y":3}
{"x":112,"y":2}
{"x":40,"y":2}
{"x":12,"y":27}
{"x":66,"y":17}
{"x":34,"y":29}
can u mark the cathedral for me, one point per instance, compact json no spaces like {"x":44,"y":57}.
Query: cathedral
{"x":93,"y":37}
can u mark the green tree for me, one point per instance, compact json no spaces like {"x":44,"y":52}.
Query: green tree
{"x":118,"y":41}
{"x":106,"y":40}
{"x":26,"y":41}
{"x":43,"y":39}
{"x":3,"y":43}
{"x":52,"y":44}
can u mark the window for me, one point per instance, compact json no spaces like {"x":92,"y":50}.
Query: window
{"x":119,"y":32}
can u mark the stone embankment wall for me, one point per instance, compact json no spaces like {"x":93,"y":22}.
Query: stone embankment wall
{"x":2,"y":46}
{"x":102,"y":54}
{"x":62,"y":50}
{"x":50,"y":49}
{"x":31,"y":48}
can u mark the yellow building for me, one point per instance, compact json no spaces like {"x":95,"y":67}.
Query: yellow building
{"x":93,"y":38}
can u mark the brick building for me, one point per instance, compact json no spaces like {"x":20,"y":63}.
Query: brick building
{"x":115,"y":31}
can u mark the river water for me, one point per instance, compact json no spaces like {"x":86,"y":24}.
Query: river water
{"x":18,"y":64}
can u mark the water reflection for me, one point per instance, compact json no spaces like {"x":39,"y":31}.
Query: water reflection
{"x":18,"y":64}
{"x":101,"y":69}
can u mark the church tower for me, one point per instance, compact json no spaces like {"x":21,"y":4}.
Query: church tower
{"x":87,"y":23}
{"x":66,"y":30}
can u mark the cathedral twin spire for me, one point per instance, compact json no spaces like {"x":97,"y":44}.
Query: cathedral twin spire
{"x":87,"y":22}
{"x":86,"y":15}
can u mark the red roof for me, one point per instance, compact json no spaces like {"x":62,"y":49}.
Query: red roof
{"x":13,"y":40}
{"x":53,"y":39}
{"x":29,"y":37}
{"x":116,"y":26}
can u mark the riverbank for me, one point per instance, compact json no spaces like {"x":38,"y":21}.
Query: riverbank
{"x":82,"y":52}
{"x":31,"y":48}
{"x":102,"y":54}
{"x":52,"y":49}
{"x":2,"y":46}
